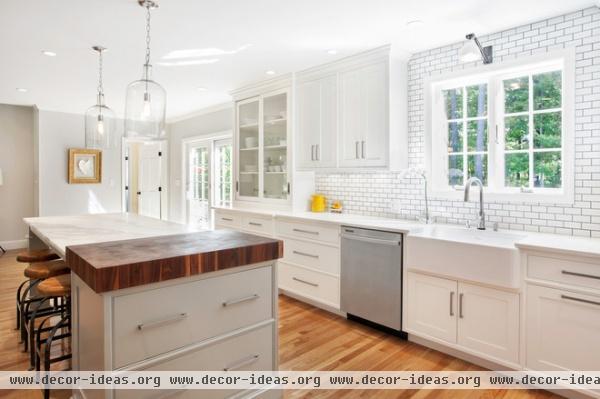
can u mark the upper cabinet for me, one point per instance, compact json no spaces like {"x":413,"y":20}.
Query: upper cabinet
{"x":351,"y":113}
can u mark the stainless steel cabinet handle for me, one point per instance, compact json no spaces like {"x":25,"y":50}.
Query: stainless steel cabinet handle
{"x":241,"y":363}
{"x":571,"y":298}
{"x":372,"y":240}
{"x":227,"y":219}
{"x":312,"y":152}
{"x":305,"y":254}
{"x":317,"y":154}
{"x":580,"y":274}
{"x":362,"y":146}
{"x":161,"y":322}
{"x":452,"y":303}
{"x":305,"y":282}
{"x":357,"y":150}
{"x":254,"y":224}
{"x":460,"y":305}
{"x":240,"y":300}
{"x":306,"y":231}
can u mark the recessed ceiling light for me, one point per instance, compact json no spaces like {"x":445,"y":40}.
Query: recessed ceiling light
{"x":270,"y":72}
{"x":202,"y":89}
{"x":22,"y":90}
{"x":49,"y":53}
{"x":414,"y":23}
{"x":332,"y":51}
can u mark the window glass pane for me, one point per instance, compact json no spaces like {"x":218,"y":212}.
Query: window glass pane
{"x":547,"y":130}
{"x":453,"y":100}
{"x":455,"y":170}
{"x":547,"y":90}
{"x":477,"y":166}
{"x":516,"y":95}
{"x":477,"y":100}
{"x":516,"y":132}
{"x":477,"y":135}
{"x":547,"y":167}
{"x":455,"y":137}
{"x":516,"y":170}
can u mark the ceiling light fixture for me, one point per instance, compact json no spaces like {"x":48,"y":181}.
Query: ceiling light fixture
{"x":22,"y":90}
{"x":270,"y":72}
{"x":99,"y":119}
{"x":414,"y":23}
{"x":473,"y":51}
{"x":146,"y":100}
{"x":332,"y":52}
{"x":48,"y":53}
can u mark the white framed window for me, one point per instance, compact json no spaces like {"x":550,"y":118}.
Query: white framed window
{"x":510,"y":125}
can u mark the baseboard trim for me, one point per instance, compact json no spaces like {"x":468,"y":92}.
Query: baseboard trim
{"x":14,"y":244}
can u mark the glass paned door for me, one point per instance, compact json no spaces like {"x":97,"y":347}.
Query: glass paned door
{"x":198,"y":184}
{"x":223,"y":180}
{"x":275,"y":145}
{"x":248,"y":136}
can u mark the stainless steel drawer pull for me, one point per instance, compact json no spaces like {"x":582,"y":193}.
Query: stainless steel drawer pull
{"x":362,"y":146}
{"x":305,"y":254}
{"x":254,"y":224}
{"x":571,"y":298}
{"x":460,"y":305}
{"x":305,"y":282}
{"x":240,"y":300}
{"x":161,"y":322}
{"x":241,"y":363}
{"x":580,"y":274}
{"x":227,"y":219}
{"x":356,"y":150}
{"x":452,"y":303}
{"x":316,"y":233}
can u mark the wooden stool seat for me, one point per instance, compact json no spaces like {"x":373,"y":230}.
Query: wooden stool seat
{"x":56,"y":286}
{"x":43,"y":270}
{"x":36,"y":255}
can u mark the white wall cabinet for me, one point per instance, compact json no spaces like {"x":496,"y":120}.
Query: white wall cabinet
{"x":480,"y":320}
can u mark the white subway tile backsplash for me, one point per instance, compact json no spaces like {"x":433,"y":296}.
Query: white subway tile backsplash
{"x":389,"y":194}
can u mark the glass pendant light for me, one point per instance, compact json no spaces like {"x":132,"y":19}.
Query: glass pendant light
{"x":99,"y":119}
{"x":146,"y":100}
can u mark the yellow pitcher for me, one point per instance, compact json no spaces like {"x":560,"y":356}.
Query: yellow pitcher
{"x":318,"y":203}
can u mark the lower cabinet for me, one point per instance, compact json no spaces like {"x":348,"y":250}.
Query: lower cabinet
{"x":481,"y":320}
{"x":563,"y":329}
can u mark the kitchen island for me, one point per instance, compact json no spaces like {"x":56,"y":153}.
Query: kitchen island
{"x":155,"y":295}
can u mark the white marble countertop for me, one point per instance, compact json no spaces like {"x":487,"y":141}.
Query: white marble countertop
{"x":58,"y":232}
{"x":581,"y":246}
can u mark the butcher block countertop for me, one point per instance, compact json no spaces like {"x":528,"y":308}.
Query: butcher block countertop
{"x":107,"y":255}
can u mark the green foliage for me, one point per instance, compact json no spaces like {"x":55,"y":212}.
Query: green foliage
{"x":547,"y":90}
{"x":477,"y":165}
{"x":547,"y":130}
{"x":455,"y":170}
{"x":455,"y":137}
{"x":477,"y":100}
{"x":477,"y":135}
{"x":516,"y":132}
{"x":516,"y":170}
{"x":547,"y":169}
{"x":453,"y":100}
{"x":516,"y":95}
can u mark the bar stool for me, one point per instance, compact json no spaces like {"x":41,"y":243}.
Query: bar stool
{"x":53,"y":287}
{"x":36,"y":273}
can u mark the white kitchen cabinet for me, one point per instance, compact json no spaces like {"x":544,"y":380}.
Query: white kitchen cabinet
{"x":480,"y":320}
{"x":316,"y":118}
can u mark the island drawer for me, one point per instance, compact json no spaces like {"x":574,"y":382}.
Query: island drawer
{"x":323,"y":258}
{"x":262,"y":225}
{"x":227,"y":219}
{"x":564,"y":271}
{"x":311,"y":231}
{"x":310,"y":284}
{"x":154,"y":322}
{"x":250,"y":351}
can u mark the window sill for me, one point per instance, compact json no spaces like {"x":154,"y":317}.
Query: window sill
{"x":516,"y":197}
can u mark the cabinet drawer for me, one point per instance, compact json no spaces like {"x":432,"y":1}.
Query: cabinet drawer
{"x":321,"y":257}
{"x":310,"y":284}
{"x":227,"y":219}
{"x":153,"y":322}
{"x":330,"y":234}
{"x":258,"y":224}
{"x":252,"y":351}
{"x":564,"y":271}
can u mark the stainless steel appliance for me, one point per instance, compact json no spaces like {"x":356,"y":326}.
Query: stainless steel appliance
{"x":371,"y":276}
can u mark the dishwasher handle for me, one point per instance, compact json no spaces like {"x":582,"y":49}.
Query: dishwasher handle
{"x":372,"y":240}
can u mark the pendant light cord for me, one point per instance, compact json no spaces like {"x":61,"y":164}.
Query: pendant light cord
{"x":100,"y":85}
{"x":147,"y":65}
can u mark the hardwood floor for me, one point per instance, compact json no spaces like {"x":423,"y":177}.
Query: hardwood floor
{"x":309,"y":339}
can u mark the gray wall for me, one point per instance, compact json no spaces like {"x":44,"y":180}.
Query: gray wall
{"x":201,"y":125}
{"x":17,"y":164}
{"x":57,"y":132}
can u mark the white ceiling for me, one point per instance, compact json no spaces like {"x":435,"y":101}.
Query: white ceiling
{"x":282,"y":35}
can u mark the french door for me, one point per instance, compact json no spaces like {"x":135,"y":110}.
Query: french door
{"x":208,"y":179}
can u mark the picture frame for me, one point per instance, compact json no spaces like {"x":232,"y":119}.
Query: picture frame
{"x":85,"y":166}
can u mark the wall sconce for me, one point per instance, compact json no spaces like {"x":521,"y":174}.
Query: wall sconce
{"x":473,"y":51}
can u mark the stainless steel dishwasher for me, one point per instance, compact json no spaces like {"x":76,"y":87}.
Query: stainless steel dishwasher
{"x":371,"y":276}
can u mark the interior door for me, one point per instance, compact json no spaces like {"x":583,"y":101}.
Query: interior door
{"x":149,"y":180}
{"x":198,"y":184}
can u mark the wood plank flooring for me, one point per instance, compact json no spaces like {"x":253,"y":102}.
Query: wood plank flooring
{"x":309,"y":339}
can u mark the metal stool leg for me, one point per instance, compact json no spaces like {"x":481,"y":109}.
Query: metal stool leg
{"x":19,"y":303}
{"x":32,"y":332}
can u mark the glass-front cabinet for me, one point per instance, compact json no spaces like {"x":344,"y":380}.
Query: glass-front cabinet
{"x":262,"y":127}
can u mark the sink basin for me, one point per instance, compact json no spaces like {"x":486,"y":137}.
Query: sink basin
{"x":482,"y":256}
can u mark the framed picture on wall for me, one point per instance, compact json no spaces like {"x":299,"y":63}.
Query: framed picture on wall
{"x":85,"y":166}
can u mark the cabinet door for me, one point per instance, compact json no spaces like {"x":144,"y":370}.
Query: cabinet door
{"x":352,"y":118}
{"x":326,"y":150}
{"x":247,"y":145}
{"x":309,"y":122}
{"x":488,"y":321}
{"x":562,"y":330}
{"x":274,"y":146}
{"x":431,"y":307}
{"x":374,"y":145}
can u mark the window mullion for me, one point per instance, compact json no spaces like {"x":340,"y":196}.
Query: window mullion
{"x":530,"y":131}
